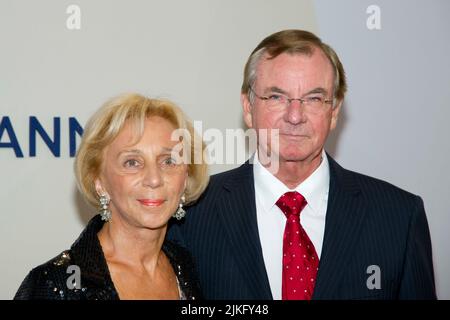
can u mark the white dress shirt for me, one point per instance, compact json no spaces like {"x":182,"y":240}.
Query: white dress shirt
{"x":271,"y":220}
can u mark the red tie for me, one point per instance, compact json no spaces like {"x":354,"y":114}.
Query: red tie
{"x":300,"y":260}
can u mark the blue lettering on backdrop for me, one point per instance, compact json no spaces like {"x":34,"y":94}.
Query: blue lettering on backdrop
{"x":53,"y":141}
{"x":6,"y":126}
{"x":74,"y":128}
{"x":55,"y":145}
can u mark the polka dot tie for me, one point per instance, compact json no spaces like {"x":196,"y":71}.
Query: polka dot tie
{"x":300,"y":260}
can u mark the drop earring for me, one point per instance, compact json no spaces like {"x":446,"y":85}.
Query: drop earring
{"x":105,"y":213}
{"x":180,"y":213}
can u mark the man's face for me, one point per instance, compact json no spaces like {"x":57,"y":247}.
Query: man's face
{"x":302,"y":131}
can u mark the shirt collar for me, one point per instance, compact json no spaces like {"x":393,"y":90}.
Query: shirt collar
{"x":269,"y":189}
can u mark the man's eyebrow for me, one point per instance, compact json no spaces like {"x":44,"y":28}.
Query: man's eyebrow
{"x":281,"y":91}
{"x":275,"y":90}
{"x":317,"y":90}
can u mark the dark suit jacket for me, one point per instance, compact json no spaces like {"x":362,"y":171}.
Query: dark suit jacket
{"x":49,"y":280}
{"x":368,"y":222}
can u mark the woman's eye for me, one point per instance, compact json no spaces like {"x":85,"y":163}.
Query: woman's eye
{"x":169,"y":161}
{"x":132,"y":163}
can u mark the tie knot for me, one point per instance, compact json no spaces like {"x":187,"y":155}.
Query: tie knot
{"x":291,"y":203}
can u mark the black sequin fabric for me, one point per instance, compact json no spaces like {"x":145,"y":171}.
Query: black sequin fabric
{"x":50,"y":281}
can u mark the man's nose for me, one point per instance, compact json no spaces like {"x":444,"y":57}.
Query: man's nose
{"x":295,"y":112}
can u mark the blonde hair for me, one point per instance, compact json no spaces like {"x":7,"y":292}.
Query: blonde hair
{"x":104,"y":126}
{"x":293,"y":42}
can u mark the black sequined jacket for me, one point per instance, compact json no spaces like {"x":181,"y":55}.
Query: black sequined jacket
{"x":55,"y":279}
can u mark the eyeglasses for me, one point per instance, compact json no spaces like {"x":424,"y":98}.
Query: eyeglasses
{"x":314,"y":102}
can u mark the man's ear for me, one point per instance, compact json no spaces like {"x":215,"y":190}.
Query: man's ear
{"x":247,"y":109}
{"x":335,"y":114}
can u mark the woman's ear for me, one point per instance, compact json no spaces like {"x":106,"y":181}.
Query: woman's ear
{"x":185,"y":182}
{"x":99,"y":187}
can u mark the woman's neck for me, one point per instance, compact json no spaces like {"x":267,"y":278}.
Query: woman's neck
{"x":134,"y":246}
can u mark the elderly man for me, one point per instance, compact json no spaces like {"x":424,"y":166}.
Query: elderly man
{"x":306,"y":228}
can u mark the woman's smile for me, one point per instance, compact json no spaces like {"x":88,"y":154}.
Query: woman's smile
{"x":151,"y":202}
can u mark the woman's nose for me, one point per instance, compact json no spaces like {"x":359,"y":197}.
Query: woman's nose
{"x":152,"y":177}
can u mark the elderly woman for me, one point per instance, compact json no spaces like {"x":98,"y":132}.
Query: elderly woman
{"x":132,"y":164}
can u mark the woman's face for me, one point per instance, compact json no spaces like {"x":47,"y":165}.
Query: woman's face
{"x":143,"y":181}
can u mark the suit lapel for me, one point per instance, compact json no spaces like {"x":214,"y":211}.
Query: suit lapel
{"x":238,"y":214}
{"x":345,"y":214}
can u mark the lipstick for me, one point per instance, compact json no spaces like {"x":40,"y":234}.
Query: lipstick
{"x":151,"y":202}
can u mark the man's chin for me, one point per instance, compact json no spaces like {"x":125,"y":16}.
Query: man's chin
{"x":293,"y":154}
{"x":292,"y":158}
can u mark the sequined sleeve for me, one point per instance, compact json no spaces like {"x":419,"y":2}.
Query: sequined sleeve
{"x":45,"y":282}
{"x":39,"y":285}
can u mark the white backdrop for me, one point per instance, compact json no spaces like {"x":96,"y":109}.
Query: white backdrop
{"x":193,"y":52}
